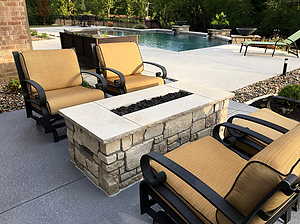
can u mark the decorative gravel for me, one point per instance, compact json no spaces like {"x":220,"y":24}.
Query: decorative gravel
{"x":14,"y":101}
{"x":268,"y":86}
{"x":10,"y":101}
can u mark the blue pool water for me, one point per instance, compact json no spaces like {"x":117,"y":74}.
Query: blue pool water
{"x":169,"y":41}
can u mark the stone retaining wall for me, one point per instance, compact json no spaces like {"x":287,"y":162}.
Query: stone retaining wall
{"x":116,"y":165}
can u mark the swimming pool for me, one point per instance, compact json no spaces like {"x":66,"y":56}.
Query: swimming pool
{"x":169,"y":41}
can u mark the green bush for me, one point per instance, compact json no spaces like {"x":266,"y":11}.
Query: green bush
{"x":140,"y":26}
{"x":44,"y":35}
{"x":14,"y":86}
{"x":33,"y":32}
{"x":87,"y":85}
{"x":291,"y":91}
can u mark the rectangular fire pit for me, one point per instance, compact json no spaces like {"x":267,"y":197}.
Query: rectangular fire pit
{"x":108,"y":147}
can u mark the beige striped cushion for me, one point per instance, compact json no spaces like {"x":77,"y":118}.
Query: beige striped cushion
{"x":212,"y":163}
{"x":267,"y":115}
{"x":72,"y":96}
{"x":52,"y":69}
{"x":263,"y":172}
{"x":139,"y":81}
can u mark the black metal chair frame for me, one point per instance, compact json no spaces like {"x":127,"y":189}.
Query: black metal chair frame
{"x":153,"y":191}
{"x":46,"y":120}
{"x":240,"y":133}
{"x":120,"y":83}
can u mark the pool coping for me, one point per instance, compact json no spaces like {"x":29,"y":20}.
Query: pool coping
{"x":228,"y":39}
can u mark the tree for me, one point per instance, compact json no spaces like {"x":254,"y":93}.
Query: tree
{"x":43,"y":9}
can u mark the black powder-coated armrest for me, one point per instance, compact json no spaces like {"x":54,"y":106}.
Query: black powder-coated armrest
{"x":164,"y":70}
{"x":214,"y":198}
{"x":291,"y":100}
{"x":259,"y":121}
{"x":121,"y":82}
{"x":101,"y":81}
{"x":40,"y":98}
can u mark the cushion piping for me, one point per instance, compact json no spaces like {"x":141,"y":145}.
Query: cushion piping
{"x":285,"y":175}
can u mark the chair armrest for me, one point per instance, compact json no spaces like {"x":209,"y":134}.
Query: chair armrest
{"x":40,"y":98}
{"x":259,"y":121}
{"x":231,"y":140}
{"x":214,"y":198}
{"x":101,"y":81}
{"x":121,"y":81}
{"x":164,"y":70}
{"x":281,"y":98}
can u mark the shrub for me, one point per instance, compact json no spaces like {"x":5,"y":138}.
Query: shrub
{"x":140,"y":26}
{"x":33,"y":32}
{"x":291,"y":91}
{"x":14,"y":86}
{"x":86,"y":84}
{"x":44,"y":35}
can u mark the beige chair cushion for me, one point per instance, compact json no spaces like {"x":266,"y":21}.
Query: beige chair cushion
{"x":52,"y":69}
{"x":62,"y":98}
{"x":267,"y":115}
{"x":139,"y":81}
{"x":212,"y":163}
{"x":263,"y":172}
{"x":124,"y":57}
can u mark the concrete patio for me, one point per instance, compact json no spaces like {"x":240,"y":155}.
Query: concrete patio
{"x":39,"y":184}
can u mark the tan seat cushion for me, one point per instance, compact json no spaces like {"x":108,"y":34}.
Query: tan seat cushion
{"x":139,"y":81}
{"x":212,"y":163}
{"x":52,"y":69}
{"x":267,"y":115}
{"x":62,"y":98}
{"x":124,"y":57}
{"x":263,"y":172}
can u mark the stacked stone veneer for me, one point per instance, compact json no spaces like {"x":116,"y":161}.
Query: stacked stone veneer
{"x":219,"y":32}
{"x":13,"y":36}
{"x":116,"y":165}
{"x":238,"y":39}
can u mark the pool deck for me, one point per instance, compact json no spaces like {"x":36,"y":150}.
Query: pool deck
{"x":38,"y":182}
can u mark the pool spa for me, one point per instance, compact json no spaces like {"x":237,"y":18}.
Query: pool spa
{"x":169,"y":40}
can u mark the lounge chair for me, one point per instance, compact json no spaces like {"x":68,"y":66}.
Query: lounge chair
{"x":51,"y":80}
{"x":288,"y":43}
{"x":121,"y":64}
{"x":265,"y":122}
{"x":205,"y":182}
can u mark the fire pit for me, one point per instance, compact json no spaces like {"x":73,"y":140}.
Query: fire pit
{"x":108,"y":147}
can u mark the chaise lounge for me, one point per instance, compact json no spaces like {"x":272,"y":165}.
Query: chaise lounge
{"x":288,"y":43}
{"x":205,"y":182}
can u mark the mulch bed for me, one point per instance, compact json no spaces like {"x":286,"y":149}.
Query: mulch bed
{"x":292,"y":111}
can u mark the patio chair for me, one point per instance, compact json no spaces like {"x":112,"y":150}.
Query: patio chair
{"x":51,"y":80}
{"x":121,"y":64}
{"x":205,"y":182}
{"x":265,"y":122}
{"x":288,"y":43}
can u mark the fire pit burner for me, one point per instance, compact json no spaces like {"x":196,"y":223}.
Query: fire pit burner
{"x":149,"y":103}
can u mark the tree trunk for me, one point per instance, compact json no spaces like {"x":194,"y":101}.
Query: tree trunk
{"x":203,"y":12}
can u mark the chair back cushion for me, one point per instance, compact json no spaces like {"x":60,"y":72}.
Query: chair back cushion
{"x":263,"y":172}
{"x":124,"y":57}
{"x":52,"y":69}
